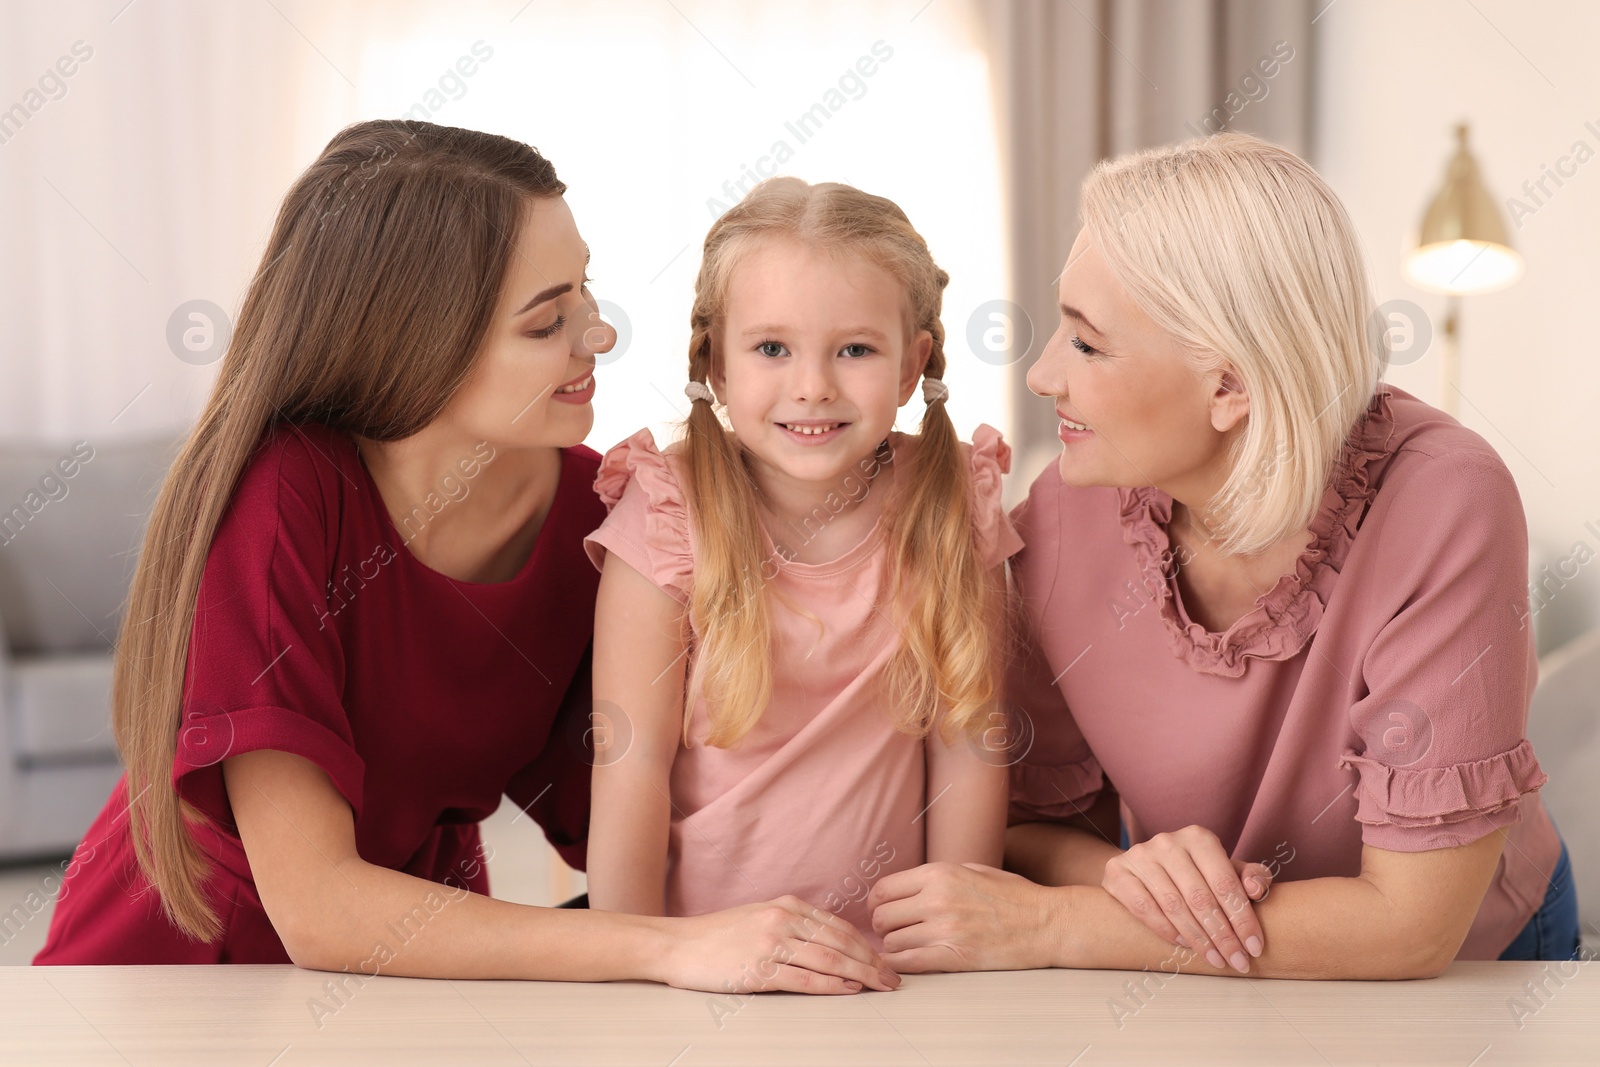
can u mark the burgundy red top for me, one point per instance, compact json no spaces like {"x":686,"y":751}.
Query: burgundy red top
{"x":423,"y":698}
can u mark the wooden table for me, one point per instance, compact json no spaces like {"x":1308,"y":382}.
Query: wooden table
{"x":1477,"y":1014}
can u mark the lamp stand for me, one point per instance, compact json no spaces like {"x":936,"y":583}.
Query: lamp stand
{"x":1450,"y":359}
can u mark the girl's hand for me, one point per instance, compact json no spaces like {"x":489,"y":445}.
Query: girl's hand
{"x":782,"y":944}
{"x":1186,"y":888}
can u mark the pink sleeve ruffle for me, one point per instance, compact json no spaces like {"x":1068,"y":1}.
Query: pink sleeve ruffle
{"x":1464,"y":800}
{"x":1054,"y":793}
{"x":989,"y":457}
{"x":648,"y":525}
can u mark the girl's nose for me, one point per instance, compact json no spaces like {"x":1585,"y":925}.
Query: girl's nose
{"x":814,"y":379}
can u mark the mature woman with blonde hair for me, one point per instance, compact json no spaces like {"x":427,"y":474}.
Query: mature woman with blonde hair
{"x":1276,"y":613}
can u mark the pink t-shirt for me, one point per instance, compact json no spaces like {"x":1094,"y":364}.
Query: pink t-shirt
{"x":1378,"y":695}
{"x":823,"y":796}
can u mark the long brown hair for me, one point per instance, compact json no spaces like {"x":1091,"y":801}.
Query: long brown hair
{"x":948,"y":615}
{"x":373,"y":296}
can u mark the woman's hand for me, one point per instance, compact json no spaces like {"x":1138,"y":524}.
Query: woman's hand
{"x":1186,"y":888}
{"x":783,"y":944}
{"x":961,"y":917}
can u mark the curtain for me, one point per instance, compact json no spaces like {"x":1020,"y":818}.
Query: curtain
{"x":144,"y":179}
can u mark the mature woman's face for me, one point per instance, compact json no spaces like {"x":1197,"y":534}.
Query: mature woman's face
{"x":1134,"y":410}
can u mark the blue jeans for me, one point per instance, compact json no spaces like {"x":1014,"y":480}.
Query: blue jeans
{"x":1552,"y":933}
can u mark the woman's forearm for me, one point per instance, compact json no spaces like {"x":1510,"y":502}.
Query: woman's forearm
{"x":1319,"y":928}
{"x":372,"y":920}
{"x":1057,"y":854}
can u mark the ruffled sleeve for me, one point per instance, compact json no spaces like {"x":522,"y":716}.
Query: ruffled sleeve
{"x":1054,"y":772}
{"x":1438,"y":800}
{"x":990,"y":457}
{"x":648,"y":525}
{"x":1438,"y":738}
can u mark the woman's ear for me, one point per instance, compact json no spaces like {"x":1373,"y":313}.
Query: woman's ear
{"x":915,"y":362}
{"x":1229,"y":401}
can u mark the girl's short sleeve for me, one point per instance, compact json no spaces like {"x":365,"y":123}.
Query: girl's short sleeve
{"x":265,"y":667}
{"x":989,"y":457}
{"x":648,"y":525}
{"x":1442,"y":757}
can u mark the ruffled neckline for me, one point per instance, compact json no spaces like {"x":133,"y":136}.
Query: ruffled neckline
{"x":1286,"y":616}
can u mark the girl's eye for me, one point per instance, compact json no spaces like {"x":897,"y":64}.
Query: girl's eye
{"x":856,"y":351}
{"x":550,"y":330}
{"x":1081,"y":347}
{"x":771,"y":349}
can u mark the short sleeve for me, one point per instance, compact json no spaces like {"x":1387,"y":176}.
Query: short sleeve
{"x":1058,"y":776}
{"x":265,"y":667}
{"x":1441,"y":752}
{"x":989,"y":458}
{"x":648,"y":521}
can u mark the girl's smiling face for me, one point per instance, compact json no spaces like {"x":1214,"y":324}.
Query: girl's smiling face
{"x":815,"y":357}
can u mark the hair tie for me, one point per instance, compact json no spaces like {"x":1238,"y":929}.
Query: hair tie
{"x":934,"y":389}
{"x":698,"y":391}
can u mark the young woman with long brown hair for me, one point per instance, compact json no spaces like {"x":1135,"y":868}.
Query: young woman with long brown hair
{"x":362,"y":612}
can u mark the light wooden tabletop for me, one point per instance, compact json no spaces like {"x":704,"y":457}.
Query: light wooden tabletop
{"x":1477,"y":1014}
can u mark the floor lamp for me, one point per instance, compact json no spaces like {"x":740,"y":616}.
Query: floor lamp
{"x":1462,"y":247}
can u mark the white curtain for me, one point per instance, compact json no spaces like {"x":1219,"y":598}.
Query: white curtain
{"x":144,"y":179}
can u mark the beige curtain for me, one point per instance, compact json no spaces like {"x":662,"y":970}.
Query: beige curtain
{"x":1076,"y":81}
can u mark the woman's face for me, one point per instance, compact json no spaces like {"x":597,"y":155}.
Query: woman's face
{"x":524,"y":390}
{"x":1134,"y":410}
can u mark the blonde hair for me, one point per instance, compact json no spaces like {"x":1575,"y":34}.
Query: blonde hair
{"x":1241,"y":252}
{"x":373,"y":296}
{"x":947,"y":613}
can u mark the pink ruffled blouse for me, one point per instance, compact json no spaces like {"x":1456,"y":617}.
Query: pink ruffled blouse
{"x":823,"y":796}
{"x":1378,"y":695}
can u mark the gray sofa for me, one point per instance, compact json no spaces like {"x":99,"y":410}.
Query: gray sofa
{"x":71,"y":516}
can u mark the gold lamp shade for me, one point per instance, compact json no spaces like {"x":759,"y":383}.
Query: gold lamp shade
{"x":1463,"y":246}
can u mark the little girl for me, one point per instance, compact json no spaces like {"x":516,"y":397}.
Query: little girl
{"x":800,"y":613}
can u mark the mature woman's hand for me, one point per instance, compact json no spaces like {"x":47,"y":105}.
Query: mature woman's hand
{"x":783,"y":944}
{"x":1186,"y":888}
{"x":961,"y":917}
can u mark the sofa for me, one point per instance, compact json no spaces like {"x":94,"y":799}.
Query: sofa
{"x":71,"y":517}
